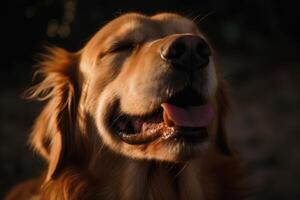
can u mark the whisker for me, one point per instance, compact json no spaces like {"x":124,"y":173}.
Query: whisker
{"x":202,"y":18}
{"x":100,"y":149}
{"x":181,"y":170}
{"x":118,"y":117}
{"x":195,"y":18}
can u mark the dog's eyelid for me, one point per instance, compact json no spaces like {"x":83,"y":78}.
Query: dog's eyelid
{"x":117,"y":47}
{"x":121,"y":46}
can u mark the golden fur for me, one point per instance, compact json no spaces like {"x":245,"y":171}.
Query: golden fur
{"x":85,"y":160}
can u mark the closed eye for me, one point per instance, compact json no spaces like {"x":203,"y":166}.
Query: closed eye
{"x":121,"y":46}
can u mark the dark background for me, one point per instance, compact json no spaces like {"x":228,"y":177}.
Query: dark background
{"x":258,"y":43}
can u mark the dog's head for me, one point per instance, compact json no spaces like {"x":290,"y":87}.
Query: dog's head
{"x":149,"y":86}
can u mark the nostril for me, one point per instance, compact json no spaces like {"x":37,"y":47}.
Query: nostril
{"x":174,"y":52}
{"x":177,"y":50}
{"x":202,"y":49}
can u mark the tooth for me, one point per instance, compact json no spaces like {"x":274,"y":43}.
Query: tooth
{"x":144,"y":127}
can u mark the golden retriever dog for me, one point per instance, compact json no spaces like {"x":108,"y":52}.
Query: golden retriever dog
{"x":138,"y":113}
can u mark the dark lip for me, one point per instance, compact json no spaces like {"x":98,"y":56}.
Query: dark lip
{"x":176,"y":134}
{"x":137,"y":139}
{"x":190,"y":135}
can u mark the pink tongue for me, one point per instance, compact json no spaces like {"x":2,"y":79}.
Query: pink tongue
{"x":195,"y":116}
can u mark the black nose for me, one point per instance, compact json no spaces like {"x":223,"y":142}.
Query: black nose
{"x":187,"y":52}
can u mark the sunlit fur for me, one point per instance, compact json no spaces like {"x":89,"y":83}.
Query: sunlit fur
{"x":86,"y":161}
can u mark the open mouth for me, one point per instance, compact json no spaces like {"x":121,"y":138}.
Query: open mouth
{"x":184,"y":117}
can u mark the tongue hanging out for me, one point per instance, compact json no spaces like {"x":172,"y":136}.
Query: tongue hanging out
{"x":194,"y":116}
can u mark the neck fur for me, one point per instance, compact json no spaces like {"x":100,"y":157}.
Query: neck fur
{"x":124,"y":178}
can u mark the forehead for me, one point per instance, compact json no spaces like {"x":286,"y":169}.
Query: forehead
{"x":141,"y":27}
{"x":136,"y":28}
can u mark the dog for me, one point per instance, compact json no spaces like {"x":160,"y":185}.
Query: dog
{"x":138,"y":113}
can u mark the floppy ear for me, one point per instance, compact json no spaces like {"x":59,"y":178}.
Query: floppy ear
{"x":223,"y":106}
{"x":53,"y":135}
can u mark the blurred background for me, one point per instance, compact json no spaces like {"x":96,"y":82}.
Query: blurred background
{"x":258,"y":44}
